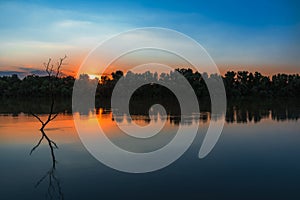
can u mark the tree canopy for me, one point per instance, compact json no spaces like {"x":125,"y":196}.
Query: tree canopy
{"x":237,"y":84}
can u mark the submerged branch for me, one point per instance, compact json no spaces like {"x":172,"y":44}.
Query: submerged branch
{"x":54,"y":117}
{"x":38,"y":118}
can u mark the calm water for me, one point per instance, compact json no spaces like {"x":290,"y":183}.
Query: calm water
{"x":256,"y":157}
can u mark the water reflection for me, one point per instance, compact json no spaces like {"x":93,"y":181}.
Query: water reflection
{"x":54,"y":189}
{"x":255,"y":111}
{"x":238,"y":111}
{"x":78,"y":175}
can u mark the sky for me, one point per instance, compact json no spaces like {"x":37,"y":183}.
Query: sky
{"x":239,"y":35}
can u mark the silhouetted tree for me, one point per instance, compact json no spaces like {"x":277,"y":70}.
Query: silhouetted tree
{"x":53,"y":74}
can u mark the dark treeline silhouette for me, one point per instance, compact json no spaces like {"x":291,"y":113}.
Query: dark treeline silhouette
{"x":237,"y":84}
{"x":35,"y":86}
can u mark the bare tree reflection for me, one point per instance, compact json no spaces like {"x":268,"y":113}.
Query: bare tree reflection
{"x":51,"y":144}
{"x":54,"y":190}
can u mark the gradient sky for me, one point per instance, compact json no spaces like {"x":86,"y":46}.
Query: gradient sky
{"x":239,"y":35}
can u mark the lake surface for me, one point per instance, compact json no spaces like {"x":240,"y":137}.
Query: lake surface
{"x":256,"y":157}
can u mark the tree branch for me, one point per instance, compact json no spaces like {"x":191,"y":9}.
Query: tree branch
{"x":37,"y":117}
{"x":46,"y":65}
{"x":59,"y":64}
{"x":54,"y":117}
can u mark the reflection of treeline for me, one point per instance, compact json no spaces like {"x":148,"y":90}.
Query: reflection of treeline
{"x":254,"y":110}
{"x":237,"y":84}
{"x":245,"y":110}
{"x":238,"y":110}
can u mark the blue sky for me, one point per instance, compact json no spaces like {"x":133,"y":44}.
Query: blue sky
{"x":252,"y":35}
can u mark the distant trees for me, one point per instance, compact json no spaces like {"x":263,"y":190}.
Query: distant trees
{"x":237,"y":84}
{"x":35,"y":86}
{"x":248,"y":84}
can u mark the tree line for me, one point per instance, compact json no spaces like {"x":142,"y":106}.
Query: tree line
{"x":237,"y":84}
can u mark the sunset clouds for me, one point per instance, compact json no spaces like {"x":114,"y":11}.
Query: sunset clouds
{"x":262,"y":34}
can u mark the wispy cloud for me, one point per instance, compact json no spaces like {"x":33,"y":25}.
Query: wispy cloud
{"x":23,"y":71}
{"x":32,"y":32}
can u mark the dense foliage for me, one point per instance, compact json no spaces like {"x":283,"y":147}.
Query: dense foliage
{"x":237,"y":84}
{"x":35,"y":86}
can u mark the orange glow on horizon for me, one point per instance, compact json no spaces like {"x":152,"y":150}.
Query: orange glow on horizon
{"x":266,"y":71}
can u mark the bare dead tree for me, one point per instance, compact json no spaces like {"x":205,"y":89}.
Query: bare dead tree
{"x":53,"y":72}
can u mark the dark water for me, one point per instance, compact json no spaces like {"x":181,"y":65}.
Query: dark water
{"x":256,"y":157}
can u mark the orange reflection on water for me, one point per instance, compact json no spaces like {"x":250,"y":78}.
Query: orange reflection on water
{"x":24,"y":129}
